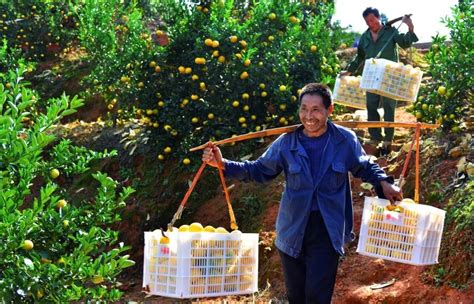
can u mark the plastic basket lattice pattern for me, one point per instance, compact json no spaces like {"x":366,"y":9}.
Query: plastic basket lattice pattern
{"x":348,"y":93}
{"x":412,"y":236}
{"x":391,"y":79}
{"x":195,"y":264}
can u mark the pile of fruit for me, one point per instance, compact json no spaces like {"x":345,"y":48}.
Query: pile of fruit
{"x":391,"y":79}
{"x":213,"y":260}
{"x":347,"y":92}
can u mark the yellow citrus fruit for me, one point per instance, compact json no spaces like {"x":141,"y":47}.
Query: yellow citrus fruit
{"x":164,"y":240}
{"x":314,"y":48}
{"x":167,"y":150}
{"x":424,"y":106}
{"x":208,"y":42}
{"x":233,"y":39}
{"x":97,"y":279}
{"x":183,"y":228}
{"x":215,"y":53}
{"x":272,"y":16}
{"x":39,"y":294}
{"x":221,"y":59}
{"x":294,"y":20}
{"x":244,"y":75}
{"x":27,"y":245}
{"x":442,"y":90}
{"x":221,"y":230}
{"x":242,"y":119}
{"x":65,"y":223}
{"x":194,"y":97}
{"x":61,"y":204}
{"x":181,"y":69}
{"x":152,"y":64}
{"x":210,"y":116}
{"x":283,"y":107}
{"x":282,"y":88}
{"x":215,"y":43}
{"x":161,"y":157}
{"x":247,"y":62}
{"x":157,"y":69}
{"x":54,"y":173}
{"x":195,"y":120}
{"x":271,"y":38}
{"x":246,"y":108}
{"x":245,"y":96}
{"x":209,"y":229}
{"x":188,"y":71}
{"x":235,"y":104}
{"x":196,"y":227}
{"x":186,"y":161}
{"x":261,"y":86}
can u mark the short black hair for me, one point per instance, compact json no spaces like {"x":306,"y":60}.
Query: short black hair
{"x":318,"y":89}
{"x":371,"y":10}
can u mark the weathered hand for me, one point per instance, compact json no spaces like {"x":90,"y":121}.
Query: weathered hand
{"x":407,"y":20}
{"x":391,"y":192}
{"x":209,"y":154}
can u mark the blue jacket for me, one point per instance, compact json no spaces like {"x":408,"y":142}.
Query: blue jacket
{"x":342,"y":154}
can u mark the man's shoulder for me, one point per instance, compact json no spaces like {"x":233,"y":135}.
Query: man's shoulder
{"x":344,"y":133}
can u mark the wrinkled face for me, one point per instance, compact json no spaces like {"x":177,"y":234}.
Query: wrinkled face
{"x":373,"y":22}
{"x":313,"y":115}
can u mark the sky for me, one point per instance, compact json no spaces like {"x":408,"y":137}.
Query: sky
{"x":426,"y":14}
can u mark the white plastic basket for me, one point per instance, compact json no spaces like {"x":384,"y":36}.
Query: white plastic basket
{"x":391,"y":79}
{"x":347,"y":92}
{"x":200,"y":264}
{"x":412,"y":236}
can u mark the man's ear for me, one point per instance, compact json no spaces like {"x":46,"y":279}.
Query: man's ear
{"x":331,"y":108}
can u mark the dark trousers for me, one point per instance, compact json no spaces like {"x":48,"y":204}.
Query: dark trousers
{"x":310,"y":277}
{"x":389,"y":105}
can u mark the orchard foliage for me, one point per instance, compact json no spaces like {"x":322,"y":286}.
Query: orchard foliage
{"x":447,"y":97}
{"x":207,"y":71}
{"x":41,"y":29}
{"x":55,"y":246}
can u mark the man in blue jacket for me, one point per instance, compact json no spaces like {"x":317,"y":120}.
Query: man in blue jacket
{"x":315,"y":217}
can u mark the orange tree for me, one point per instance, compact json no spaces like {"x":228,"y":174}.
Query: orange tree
{"x":39,"y":28}
{"x":211,"y":70}
{"x":448,"y":95}
{"x":55,"y":246}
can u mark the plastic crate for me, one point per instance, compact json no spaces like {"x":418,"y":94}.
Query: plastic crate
{"x":347,"y":92}
{"x":200,"y":264}
{"x":412,"y":236}
{"x":391,"y":79}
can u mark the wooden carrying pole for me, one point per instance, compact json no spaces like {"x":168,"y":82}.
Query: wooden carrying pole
{"x":348,"y":124}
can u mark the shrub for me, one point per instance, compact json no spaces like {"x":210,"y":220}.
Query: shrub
{"x":55,"y":247}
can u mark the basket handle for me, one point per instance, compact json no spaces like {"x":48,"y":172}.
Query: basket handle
{"x":177,"y":215}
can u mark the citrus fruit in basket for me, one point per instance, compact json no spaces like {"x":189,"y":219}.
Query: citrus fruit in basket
{"x":221,"y":230}
{"x":183,"y":228}
{"x":209,"y":229}
{"x":164,"y":240}
{"x":195,"y":227}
